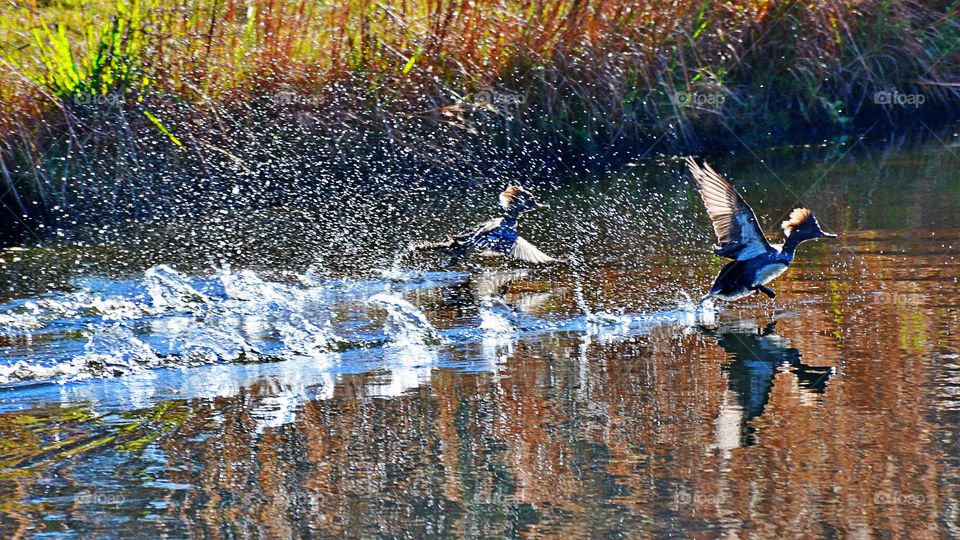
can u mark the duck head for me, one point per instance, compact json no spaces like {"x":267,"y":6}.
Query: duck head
{"x":516,"y":200}
{"x":802,"y":226}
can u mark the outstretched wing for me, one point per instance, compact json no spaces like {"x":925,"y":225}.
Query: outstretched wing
{"x":458,"y":247}
{"x":738,"y":234}
{"x":479,"y":237}
{"x":525,"y":251}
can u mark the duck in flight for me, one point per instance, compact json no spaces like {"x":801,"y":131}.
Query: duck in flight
{"x":755,"y":261}
{"x":497,"y":236}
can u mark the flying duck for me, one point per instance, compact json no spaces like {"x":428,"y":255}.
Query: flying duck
{"x":755,"y":261}
{"x":497,"y":236}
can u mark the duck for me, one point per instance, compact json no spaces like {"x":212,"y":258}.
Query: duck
{"x":756,"y":262}
{"x":497,"y":236}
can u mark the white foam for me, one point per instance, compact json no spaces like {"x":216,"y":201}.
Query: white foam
{"x":405,"y":324}
{"x":496,"y":317}
{"x":168,"y":289}
{"x":188,"y":321}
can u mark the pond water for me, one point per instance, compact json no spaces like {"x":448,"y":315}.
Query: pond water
{"x":288,"y":373}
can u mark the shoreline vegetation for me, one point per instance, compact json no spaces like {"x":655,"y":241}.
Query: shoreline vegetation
{"x":135,"y":111}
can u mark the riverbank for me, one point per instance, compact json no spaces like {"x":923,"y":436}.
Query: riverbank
{"x":137,"y":111}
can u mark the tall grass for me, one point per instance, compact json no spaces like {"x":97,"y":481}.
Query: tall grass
{"x":108,"y":102}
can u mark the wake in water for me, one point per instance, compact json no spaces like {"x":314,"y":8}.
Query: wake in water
{"x":112,"y":328}
{"x":169,"y":320}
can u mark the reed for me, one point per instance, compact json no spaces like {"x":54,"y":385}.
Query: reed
{"x":96,"y":90}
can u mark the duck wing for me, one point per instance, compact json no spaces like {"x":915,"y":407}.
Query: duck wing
{"x":525,"y":251}
{"x":480,"y":237}
{"x":738,"y":234}
{"x":457,"y":248}
{"x":467,"y":239}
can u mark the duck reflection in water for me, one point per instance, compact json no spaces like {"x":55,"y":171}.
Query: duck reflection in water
{"x":492,"y":287}
{"x":495,"y":302}
{"x":757,"y":354}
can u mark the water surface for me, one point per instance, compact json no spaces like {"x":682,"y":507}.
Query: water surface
{"x":287,"y":373}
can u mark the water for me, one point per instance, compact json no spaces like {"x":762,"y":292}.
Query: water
{"x":279,"y":376}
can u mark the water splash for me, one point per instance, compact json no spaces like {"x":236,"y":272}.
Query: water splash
{"x":496,"y":317}
{"x":111,"y":350}
{"x":305,"y":338}
{"x":411,"y":353}
{"x":168,"y":289}
{"x":114,"y":350}
{"x":405,"y":324}
{"x":498,"y":322}
{"x":165,"y":319}
{"x":576,"y":264}
{"x":593,"y":319}
{"x":703,"y":313}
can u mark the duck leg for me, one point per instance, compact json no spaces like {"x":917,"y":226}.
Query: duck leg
{"x":767,"y":291}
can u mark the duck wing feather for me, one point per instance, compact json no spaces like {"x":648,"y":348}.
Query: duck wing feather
{"x":739,"y":236}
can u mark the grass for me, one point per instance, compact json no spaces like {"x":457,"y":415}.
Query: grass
{"x":147,"y":107}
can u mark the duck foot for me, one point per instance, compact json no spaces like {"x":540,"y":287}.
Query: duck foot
{"x":767,"y":291}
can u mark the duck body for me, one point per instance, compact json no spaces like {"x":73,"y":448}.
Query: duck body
{"x":495,"y":237}
{"x":498,"y":235}
{"x":738,"y":279}
{"x":755,"y":262}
